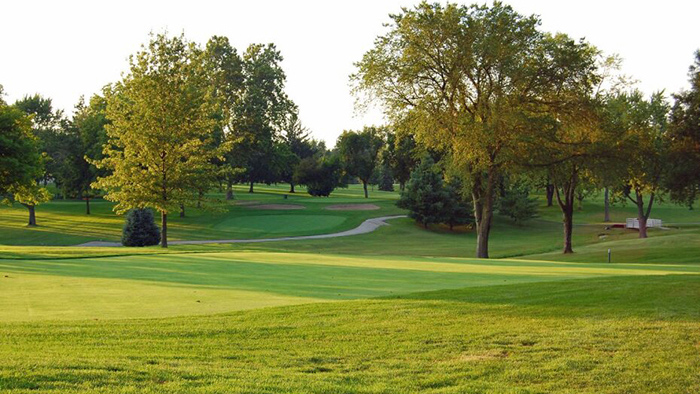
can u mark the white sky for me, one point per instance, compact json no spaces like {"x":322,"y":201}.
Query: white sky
{"x":64,"y":49}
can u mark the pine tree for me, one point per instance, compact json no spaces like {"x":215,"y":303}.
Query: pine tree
{"x":425,"y":196}
{"x":140,"y":229}
{"x":457,"y":208}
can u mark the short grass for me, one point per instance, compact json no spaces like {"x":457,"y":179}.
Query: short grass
{"x":395,"y":311}
{"x":608,"y":335}
{"x":65,"y":222}
{"x":202,"y":283}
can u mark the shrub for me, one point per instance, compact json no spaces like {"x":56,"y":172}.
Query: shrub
{"x":320,"y":175}
{"x":140,"y":229}
{"x":424,"y":196}
{"x":517,"y":204}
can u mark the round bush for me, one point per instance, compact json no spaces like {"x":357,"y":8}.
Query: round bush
{"x":140,"y":229}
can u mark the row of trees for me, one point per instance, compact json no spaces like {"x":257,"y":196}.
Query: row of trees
{"x":497,"y":97}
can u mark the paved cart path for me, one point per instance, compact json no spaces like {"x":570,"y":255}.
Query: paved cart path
{"x":367,"y":226}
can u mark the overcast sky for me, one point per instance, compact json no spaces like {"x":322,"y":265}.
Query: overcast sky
{"x":64,"y":49}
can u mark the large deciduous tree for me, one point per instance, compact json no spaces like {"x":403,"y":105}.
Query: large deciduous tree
{"x":359,"y":152}
{"x":470,"y":79}
{"x":159,"y":148}
{"x":644,"y":164}
{"x":20,"y":160}
{"x":260,"y":114}
{"x":684,"y":132}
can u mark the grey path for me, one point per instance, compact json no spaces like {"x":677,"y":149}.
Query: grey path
{"x":367,"y":226}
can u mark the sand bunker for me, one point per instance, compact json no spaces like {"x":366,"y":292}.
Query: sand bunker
{"x":277,"y":206}
{"x":353,"y":207}
{"x":244,"y":203}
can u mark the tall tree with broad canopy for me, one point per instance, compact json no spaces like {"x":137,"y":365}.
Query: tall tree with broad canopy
{"x":470,"y":79}
{"x":159,"y":139}
{"x":359,"y":152}
{"x":260,"y":114}
{"x":87,"y":131}
{"x":684,"y":132}
{"x":20,"y":160}
{"x":225,"y":69}
{"x":644,"y":167}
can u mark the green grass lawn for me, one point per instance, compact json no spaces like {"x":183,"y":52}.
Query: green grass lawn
{"x":608,"y":335}
{"x":399,"y":310}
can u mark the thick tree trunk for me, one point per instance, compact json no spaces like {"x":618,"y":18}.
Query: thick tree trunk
{"x":607,"y":205}
{"x":229,"y":190}
{"x":182,"y":210}
{"x":87,"y":205}
{"x":291,"y":187}
{"x":550,"y":195}
{"x":568,"y":189}
{"x":568,"y":215}
{"x":642,"y":216}
{"x":163,"y":230}
{"x":483,"y":197}
{"x":251,"y":187}
{"x":364,"y":185}
{"x":32,"y":215}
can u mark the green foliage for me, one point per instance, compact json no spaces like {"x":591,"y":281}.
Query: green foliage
{"x":386,"y":180}
{"x":359,"y":152}
{"x":458,"y":210}
{"x":684,"y":130}
{"x":476,"y":82}
{"x":321,"y":175}
{"x":425,"y":196}
{"x":517,"y":204}
{"x":140,"y":229}
{"x":159,"y":151}
{"x":20,"y":161}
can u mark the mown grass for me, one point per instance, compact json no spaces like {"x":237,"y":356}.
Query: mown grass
{"x":609,"y":335}
{"x":65,"y":222}
{"x":202,"y":283}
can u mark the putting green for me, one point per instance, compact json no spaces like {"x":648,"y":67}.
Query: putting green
{"x":281,"y":224}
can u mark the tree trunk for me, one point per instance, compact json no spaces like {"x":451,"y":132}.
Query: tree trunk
{"x":364,"y":185}
{"x":182,"y":210}
{"x":483,"y":211}
{"x":251,"y":187}
{"x":32,"y":215}
{"x":87,"y":205}
{"x":643,"y":217}
{"x":402,"y":185}
{"x":550,"y":195}
{"x":229,"y":190}
{"x":607,"y":205}
{"x":291,"y":187}
{"x":568,"y":214}
{"x":568,"y":189}
{"x":163,"y":230}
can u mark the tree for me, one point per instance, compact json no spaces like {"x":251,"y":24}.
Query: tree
{"x":87,"y":135}
{"x":140,"y":229}
{"x":225,"y":70}
{"x":517,"y":204}
{"x":48,"y":126}
{"x":470,"y":80}
{"x":31,"y":195}
{"x":457,"y":211}
{"x":158,"y":147}
{"x":642,"y":124}
{"x":400,"y":155}
{"x":359,"y":152}
{"x":321,"y":174}
{"x":20,"y":161}
{"x":386,"y":180}
{"x":296,"y":138}
{"x":684,"y":133}
{"x":260,"y":114}
{"x":425,"y":196}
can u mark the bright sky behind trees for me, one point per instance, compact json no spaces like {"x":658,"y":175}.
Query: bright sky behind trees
{"x":70,"y":48}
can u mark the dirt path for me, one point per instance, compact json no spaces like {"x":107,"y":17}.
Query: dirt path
{"x":367,"y":226}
